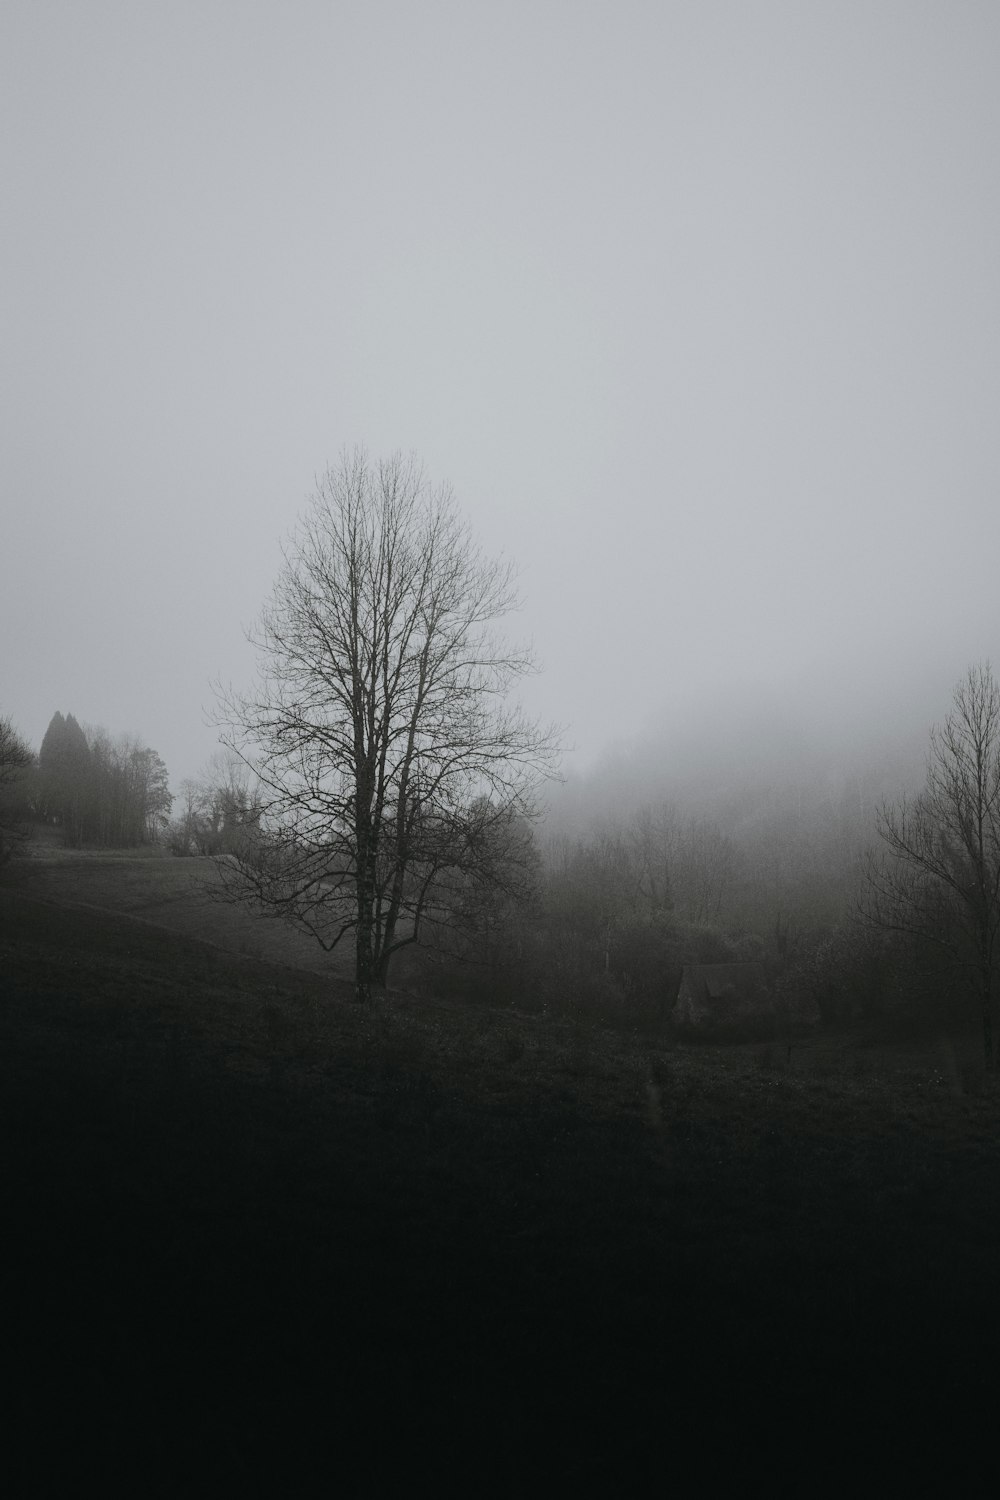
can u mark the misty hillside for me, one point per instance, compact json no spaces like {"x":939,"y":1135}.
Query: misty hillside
{"x":731,"y":756}
{"x":500,"y":745}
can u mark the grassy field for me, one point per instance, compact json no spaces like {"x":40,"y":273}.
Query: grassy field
{"x":179,"y":894}
{"x":267,"y":1242}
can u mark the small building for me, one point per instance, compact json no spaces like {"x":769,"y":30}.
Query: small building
{"x":722,"y":997}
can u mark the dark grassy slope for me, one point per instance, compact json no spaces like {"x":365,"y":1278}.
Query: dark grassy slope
{"x":173,"y":893}
{"x":259,"y":1234}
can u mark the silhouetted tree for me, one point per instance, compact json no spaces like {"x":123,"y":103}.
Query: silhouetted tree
{"x":219,"y":809}
{"x":64,"y":775}
{"x":379,"y":728}
{"x":16,"y":760}
{"x":938,"y":875}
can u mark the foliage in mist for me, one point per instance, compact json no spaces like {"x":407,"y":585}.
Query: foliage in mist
{"x":100,"y":791}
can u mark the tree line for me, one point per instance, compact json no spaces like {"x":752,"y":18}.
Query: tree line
{"x":379,"y":788}
{"x":217,"y":811}
{"x":98,"y":790}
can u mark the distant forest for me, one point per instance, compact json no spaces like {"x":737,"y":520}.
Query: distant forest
{"x":595,"y":908}
{"x":98,"y":791}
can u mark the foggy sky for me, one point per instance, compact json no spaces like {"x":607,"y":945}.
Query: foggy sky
{"x":696,"y":305}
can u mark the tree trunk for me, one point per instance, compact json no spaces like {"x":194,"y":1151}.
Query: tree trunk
{"x":380,"y":975}
{"x":363,"y":964}
{"x":364,"y":946}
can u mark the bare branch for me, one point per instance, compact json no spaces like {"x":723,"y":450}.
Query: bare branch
{"x":937,"y":877}
{"x":379,"y":729}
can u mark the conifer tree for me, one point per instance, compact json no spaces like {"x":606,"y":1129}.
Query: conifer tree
{"x":64,"y":765}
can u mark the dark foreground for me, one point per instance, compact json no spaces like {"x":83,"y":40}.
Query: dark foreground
{"x":263,"y":1243}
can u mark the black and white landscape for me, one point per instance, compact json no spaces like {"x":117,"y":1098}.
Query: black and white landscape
{"x":499,"y":745}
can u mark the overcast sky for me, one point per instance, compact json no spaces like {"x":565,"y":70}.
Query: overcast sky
{"x":697,"y":306}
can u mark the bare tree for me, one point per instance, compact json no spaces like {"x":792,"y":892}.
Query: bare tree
{"x":15,"y":760}
{"x":705,"y":863}
{"x":379,"y":729}
{"x":217,"y":809}
{"x":15,"y":753}
{"x":687,"y":865}
{"x":652,"y":836}
{"x":938,"y":875}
